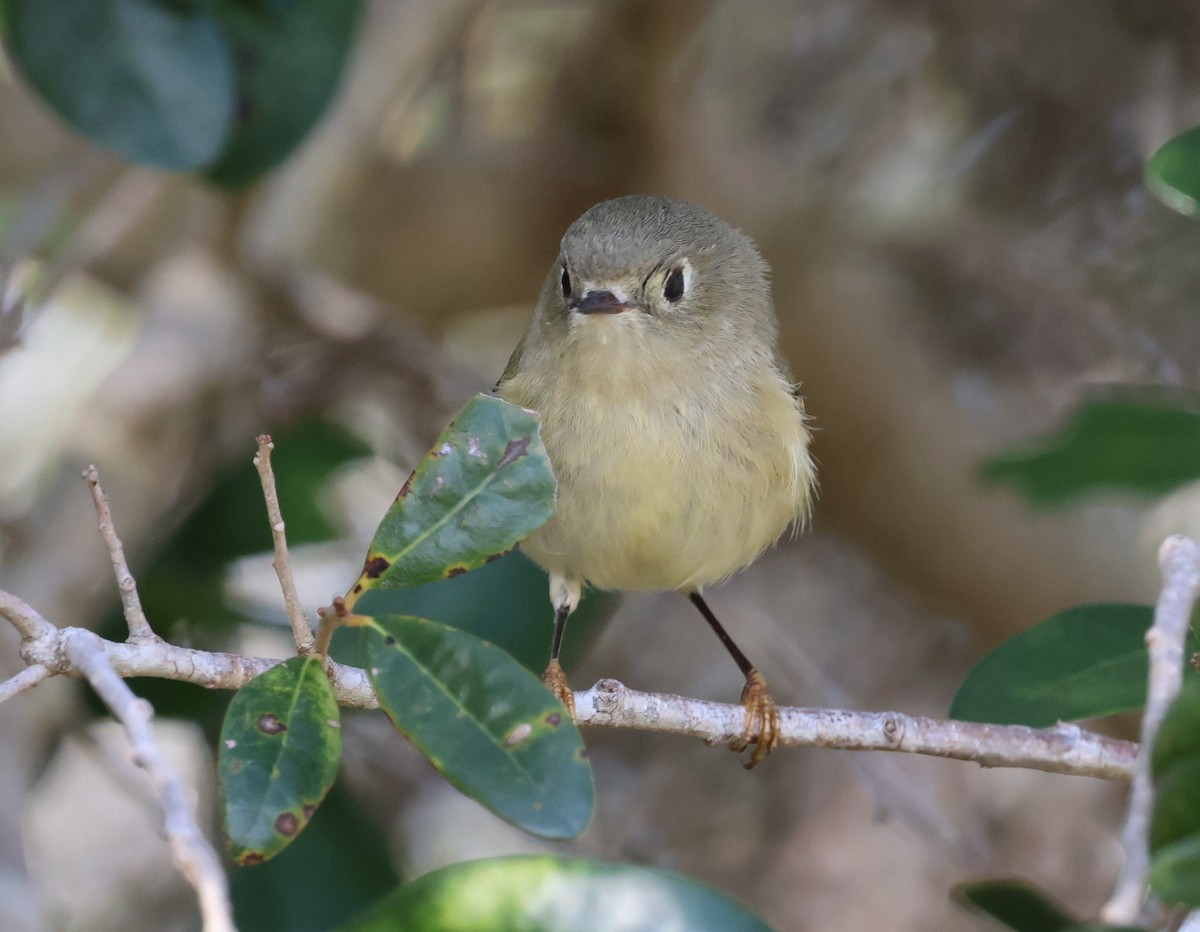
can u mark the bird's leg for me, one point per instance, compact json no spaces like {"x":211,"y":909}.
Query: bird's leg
{"x":565,"y":596}
{"x":762,"y":715}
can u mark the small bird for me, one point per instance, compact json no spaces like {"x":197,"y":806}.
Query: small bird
{"x":676,"y":433}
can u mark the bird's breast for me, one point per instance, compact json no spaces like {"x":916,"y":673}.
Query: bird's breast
{"x":674,"y":485}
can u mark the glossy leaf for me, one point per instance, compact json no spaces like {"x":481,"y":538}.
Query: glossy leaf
{"x":1175,"y":820}
{"x":1173,"y":172}
{"x":484,"y":721}
{"x":278,"y":755}
{"x":1082,"y":663}
{"x":1023,"y":907}
{"x":1145,"y":441}
{"x":289,"y":56}
{"x":151,"y":80}
{"x":485,"y":485}
{"x":554,"y":894}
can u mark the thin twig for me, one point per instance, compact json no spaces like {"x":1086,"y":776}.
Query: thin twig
{"x":139,"y":627}
{"x":26,"y":679}
{"x":302,"y":632}
{"x":28,"y":622}
{"x":1066,"y":749}
{"x":193,"y":854}
{"x":1179,"y":560}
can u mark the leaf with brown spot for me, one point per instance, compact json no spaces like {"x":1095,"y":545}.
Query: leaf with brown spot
{"x":485,"y":485}
{"x":280,"y":746}
{"x":483,"y":721}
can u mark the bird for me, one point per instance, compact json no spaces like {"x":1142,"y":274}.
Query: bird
{"x":678,"y":438}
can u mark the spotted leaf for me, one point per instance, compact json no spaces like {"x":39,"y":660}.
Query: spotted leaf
{"x":280,"y":747}
{"x":485,"y":485}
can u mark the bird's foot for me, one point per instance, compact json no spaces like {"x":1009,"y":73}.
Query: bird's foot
{"x":762,"y":720}
{"x":556,"y":681}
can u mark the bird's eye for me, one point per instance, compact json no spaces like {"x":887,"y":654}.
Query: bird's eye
{"x":566,"y":283}
{"x":673,"y":289}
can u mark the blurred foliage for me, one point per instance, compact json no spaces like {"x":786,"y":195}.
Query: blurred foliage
{"x":183,"y":585}
{"x":1084,"y":662}
{"x":505,"y":601}
{"x":338,"y":865}
{"x":1021,"y":906}
{"x":228,"y":86}
{"x":1139,"y":439}
{"x":278,"y":755}
{"x":553,"y":894}
{"x":288,"y":58}
{"x":1173,"y":172}
{"x":1175,"y":822}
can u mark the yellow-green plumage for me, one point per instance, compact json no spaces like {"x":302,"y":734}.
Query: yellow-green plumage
{"x":678,"y":441}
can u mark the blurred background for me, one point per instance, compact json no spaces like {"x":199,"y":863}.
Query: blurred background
{"x":950,"y":195}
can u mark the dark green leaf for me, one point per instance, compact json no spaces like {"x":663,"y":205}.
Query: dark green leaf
{"x":289,"y":58}
{"x":553,"y":894}
{"x":278,"y":755}
{"x":1178,"y":738}
{"x":1175,"y":821}
{"x":338,"y":866}
{"x":1082,"y":663}
{"x":1173,"y":172}
{"x":1175,"y":871}
{"x":1176,"y":814}
{"x":507,"y":602}
{"x":1017,"y":904}
{"x":1141,"y":440}
{"x":485,"y":485}
{"x":1022,"y":906}
{"x":152,"y":80}
{"x":484,"y":721}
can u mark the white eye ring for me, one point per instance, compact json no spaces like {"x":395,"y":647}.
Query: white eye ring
{"x":678,"y":282}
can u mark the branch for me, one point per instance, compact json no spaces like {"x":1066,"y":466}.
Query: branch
{"x":1066,"y":749}
{"x":139,"y":628}
{"x":1179,"y":560}
{"x":193,"y":854}
{"x":302,"y":632}
{"x":26,"y":679}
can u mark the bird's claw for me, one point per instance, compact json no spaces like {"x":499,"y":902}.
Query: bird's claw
{"x":555,"y":680}
{"x":762,"y":720}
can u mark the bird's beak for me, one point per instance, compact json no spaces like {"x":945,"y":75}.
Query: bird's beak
{"x":601,"y":302}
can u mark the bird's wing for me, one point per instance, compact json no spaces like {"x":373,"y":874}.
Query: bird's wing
{"x":514,"y":363}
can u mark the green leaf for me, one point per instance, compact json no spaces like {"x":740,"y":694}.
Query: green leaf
{"x":484,"y":721}
{"x":1176,"y":814}
{"x":554,"y":894}
{"x":1173,"y":172}
{"x":1082,"y":663}
{"x":338,"y":866}
{"x":1175,"y":820}
{"x":152,"y":80}
{"x":278,"y":755}
{"x":506,"y":602}
{"x":485,"y":485}
{"x":1143,"y":440}
{"x":1178,"y":739}
{"x":289,"y":57}
{"x":1175,"y":871}
{"x":1022,"y":906}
